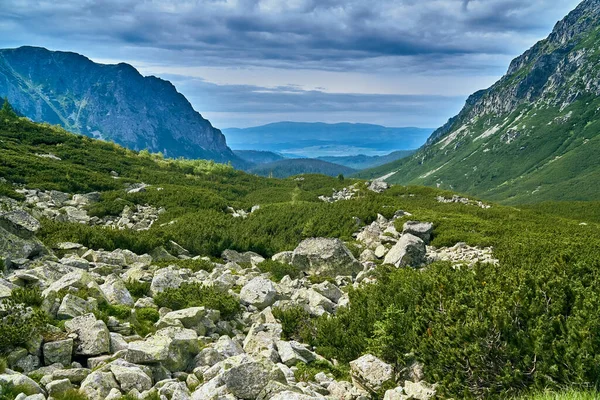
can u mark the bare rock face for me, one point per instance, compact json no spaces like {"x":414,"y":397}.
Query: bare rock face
{"x":325,"y":257}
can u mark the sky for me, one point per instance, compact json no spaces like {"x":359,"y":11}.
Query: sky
{"x":250,"y":62}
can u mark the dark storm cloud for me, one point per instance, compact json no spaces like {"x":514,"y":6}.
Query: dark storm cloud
{"x":292,"y":30}
{"x":262,"y":48}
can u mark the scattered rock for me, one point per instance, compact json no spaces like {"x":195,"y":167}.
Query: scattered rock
{"x":92,"y":335}
{"x":409,"y":251}
{"x":370,"y":372}
{"x":259,"y":292}
{"x":325,"y":257}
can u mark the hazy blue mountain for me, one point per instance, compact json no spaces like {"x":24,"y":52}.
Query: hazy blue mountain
{"x":290,"y":167}
{"x":363,"y":162}
{"x":325,"y":140}
{"x":258,"y":157}
{"x":111,"y":102}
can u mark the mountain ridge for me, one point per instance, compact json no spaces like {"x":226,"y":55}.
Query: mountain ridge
{"x":111,"y":102}
{"x":529,"y":137}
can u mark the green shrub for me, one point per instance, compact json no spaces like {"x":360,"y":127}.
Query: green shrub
{"x":18,"y":324}
{"x":31,"y":297}
{"x":198,"y":295}
{"x":145,"y":320}
{"x":112,"y":207}
{"x":279,"y":270}
{"x":137,"y":288}
{"x":3,"y":365}
{"x":106,"y":310}
{"x":72,"y":394}
{"x":297,"y":323}
{"x":307,"y":372}
{"x":8,"y":391}
{"x":192,"y":265}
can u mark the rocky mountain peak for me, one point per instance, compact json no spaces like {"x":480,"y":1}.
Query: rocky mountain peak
{"x":111,"y":102}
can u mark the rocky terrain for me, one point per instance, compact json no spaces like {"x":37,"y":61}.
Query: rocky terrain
{"x":194,"y":352}
{"x":110,"y":102}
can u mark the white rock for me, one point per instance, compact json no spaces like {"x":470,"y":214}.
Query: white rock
{"x":259,"y":292}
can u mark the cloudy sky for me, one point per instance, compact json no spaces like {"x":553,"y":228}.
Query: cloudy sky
{"x":249,"y":62}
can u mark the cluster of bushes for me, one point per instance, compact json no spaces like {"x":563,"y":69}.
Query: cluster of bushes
{"x":198,"y":295}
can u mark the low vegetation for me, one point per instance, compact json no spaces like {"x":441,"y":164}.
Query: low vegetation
{"x":527,"y":325}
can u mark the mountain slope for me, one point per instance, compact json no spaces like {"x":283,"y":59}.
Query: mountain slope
{"x":111,"y":102}
{"x":290,"y":167}
{"x":532,"y":136}
{"x":363,"y":162}
{"x":321,"y":140}
{"x":257,"y":156}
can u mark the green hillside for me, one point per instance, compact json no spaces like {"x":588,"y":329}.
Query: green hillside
{"x":528,"y":324}
{"x":297,"y":166}
{"x":533,"y":136}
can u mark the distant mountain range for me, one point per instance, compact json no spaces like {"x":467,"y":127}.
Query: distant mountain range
{"x":532,"y":136}
{"x":258,"y":157}
{"x":111,"y":102}
{"x":298,"y":166}
{"x":325,"y":140}
{"x":272,"y":164}
{"x":363,"y":162}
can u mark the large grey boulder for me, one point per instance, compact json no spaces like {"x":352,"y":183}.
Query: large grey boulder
{"x":98,"y":385}
{"x":370,"y":373}
{"x":93,"y":337}
{"x":58,"y":352}
{"x":378,"y":186}
{"x":17,"y":379}
{"x":58,"y":387}
{"x":130,"y":376}
{"x":292,"y":353}
{"x":395,"y":394}
{"x":259,"y":292}
{"x":19,"y":223}
{"x":116,"y":292}
{"x":165,"y":278}
{"x":73,"y":306}
{"x":422,"y":230}
{"x":13,"y":247}
{"x":325,"y":257}
{"x":419,"y":390}
{"x":200,"y":319}
{"x":174,"y":347}
{"x":409,"y":251}
{"x":262,"y":340}
{"x":248,"y":257}
{"x":284,"y":257}
{"x":247,"y":380}
{"x":77,"y":279}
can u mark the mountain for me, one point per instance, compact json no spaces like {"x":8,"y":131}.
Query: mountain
{"x":110,"y":102}
{"x":290,"y":167}
{"x":363,"y":162}
{"x":258,"y":157}
{"x":532,"y":136}
{"x":322,"y":140}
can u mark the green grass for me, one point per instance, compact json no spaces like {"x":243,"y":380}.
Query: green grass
{"x":571,"y":395}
